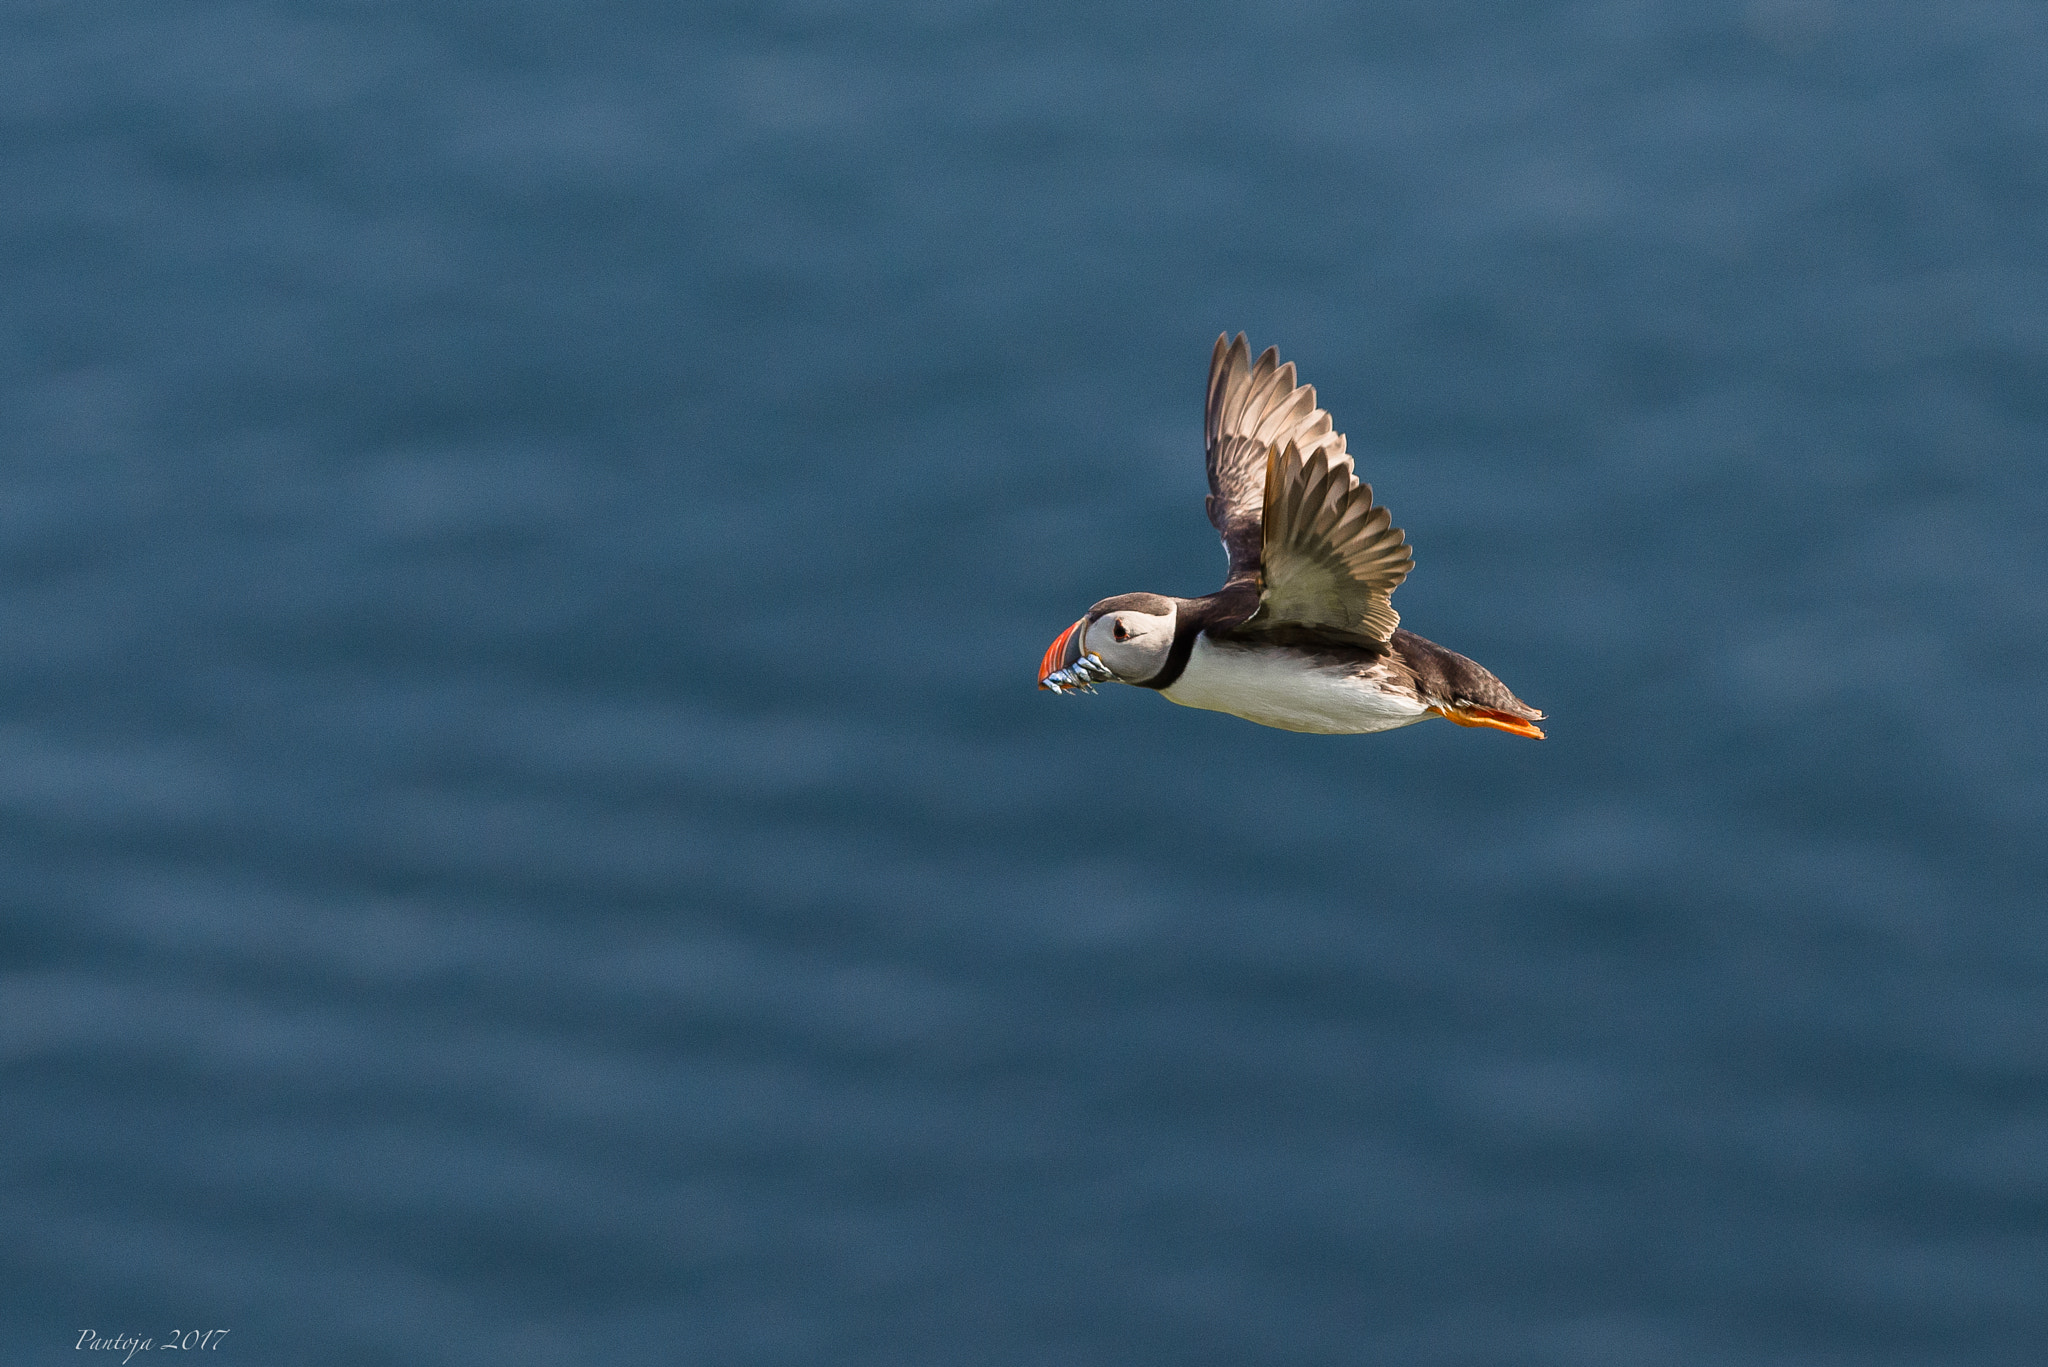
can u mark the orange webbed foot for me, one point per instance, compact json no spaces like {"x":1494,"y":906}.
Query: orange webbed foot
{"x":1468,"y":715}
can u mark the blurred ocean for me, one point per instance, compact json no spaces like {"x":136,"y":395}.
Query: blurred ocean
{"x":528,"y":833}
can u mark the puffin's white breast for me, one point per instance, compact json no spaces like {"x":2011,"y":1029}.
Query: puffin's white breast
{"x":1290,"y":689}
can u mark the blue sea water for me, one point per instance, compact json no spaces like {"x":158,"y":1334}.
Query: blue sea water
{"x":528,"y":833}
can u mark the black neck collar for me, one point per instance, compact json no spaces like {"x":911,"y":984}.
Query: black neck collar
{"x":1193,"y":616}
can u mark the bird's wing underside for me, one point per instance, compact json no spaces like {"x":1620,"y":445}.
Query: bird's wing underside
{"x":1331,"y":559}
{"x":1251,"y":410}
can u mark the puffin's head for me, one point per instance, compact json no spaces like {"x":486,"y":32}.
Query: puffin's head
{"x":1125,"y":639}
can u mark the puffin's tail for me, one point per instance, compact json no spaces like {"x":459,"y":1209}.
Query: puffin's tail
{"x":1465,"y":691}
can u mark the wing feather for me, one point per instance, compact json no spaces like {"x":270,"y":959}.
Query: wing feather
{"x":1250,"y":410}
{"x":1331,"y":559}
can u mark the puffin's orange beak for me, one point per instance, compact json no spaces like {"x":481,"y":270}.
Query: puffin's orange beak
{"x":1065,"y":649}
{"x":1065,"y":667}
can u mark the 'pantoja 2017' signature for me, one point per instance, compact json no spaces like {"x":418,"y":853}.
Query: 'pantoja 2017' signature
{"x":193,"y":1339}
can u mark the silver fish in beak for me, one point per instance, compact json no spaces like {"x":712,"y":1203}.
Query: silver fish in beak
{"x":1065,"y":667}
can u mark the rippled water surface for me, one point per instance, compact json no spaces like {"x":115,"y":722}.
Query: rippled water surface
{"x":528,"y":835}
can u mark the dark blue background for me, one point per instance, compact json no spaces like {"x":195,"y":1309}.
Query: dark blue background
{"x":528,"y":836}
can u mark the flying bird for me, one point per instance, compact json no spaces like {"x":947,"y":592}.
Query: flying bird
{"x":1303,"y":634}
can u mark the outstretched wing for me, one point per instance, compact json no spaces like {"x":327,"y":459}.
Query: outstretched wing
{"x":1252,"y":409}
{"x":1331,"y":559}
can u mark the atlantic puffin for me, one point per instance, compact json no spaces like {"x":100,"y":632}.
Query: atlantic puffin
{"x":1302,"y":635}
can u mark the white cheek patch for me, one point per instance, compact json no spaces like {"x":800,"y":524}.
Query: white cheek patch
{"x":1143,"y":653}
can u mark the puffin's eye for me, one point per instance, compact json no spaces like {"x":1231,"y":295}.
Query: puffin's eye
{"x":1120,"y":633}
